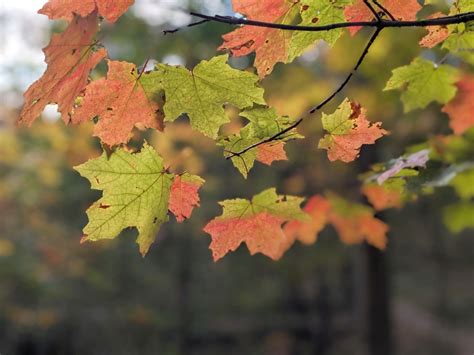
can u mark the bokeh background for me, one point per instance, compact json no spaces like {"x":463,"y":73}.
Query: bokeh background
{"x":60,"y":297}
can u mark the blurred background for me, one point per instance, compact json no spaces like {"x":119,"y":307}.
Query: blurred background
{"x":60,"y":297}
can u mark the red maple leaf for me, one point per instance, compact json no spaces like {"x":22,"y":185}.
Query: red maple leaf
{"x":358,"y":227}
{"x":402,"y":10}
{"x":120,"y":102}
{"x":270,"y":45}
{"x":261,"y":232}
{"x":184,"y":196}
{"x":461,"y":108}
{"x":66,"y":9}
{"x":353,"y":222}
{"x":258,"y":223}
{"x":70,"y":58}
{"x":270,"y":152}
{"x":436,"y":34}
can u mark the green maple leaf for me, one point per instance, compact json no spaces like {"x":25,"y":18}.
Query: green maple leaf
{"x":202,"y":92}
{"x":287,"y":207}
{"x":236,"y":143}
{"x":463,"y":184}
{"x":423,"y":82}
{"x":458,"y":217}
{"x":318,"y":13}
{"x":264,"y":123}
{"x":136,"y":191}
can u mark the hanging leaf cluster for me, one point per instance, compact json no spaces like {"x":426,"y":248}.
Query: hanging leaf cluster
{"x":138,"y":190}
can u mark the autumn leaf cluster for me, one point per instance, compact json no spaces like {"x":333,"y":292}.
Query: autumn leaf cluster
{"x":139,"y":190}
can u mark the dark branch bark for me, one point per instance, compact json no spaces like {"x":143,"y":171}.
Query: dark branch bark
{"x":371,"y":8}
{"x":440,"y":21}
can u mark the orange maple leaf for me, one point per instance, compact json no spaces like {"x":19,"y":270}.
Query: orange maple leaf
{"x":402,"y":10}
{"x":120,"y":102}
{"x":382,"y":198}
{"x":356,"y":223}
{"x":261,"y":232}
{"x":348,"y":130}
{"x":307,"y":232}
{"x":354,"y":229}
{"x":270,"y":45}
{"x":461,"y":108}
{"x":258,"y":223}
{"x":184,"y":196}
{"x":436,"y":34}
{"x":70,"y":58}
{"x":353,"y":222}
{"x":66,"y":9}
{"x":270,"y":152}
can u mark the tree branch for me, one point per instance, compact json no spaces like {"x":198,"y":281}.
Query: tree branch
{"x":371,"y":8}
{"x":319,"y":106}
{"x":192,"y":24}
{"x":440,"y":21}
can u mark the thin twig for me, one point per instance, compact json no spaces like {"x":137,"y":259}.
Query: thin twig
{"x":371,"y":8}
{"x":384,"y":10}
{"x":319,"y":106}
{"x":197,"y":23}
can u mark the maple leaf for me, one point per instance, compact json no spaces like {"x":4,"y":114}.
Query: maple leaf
{"x":122,"y":101}
{"x":458,"y":217}
{"x":135,"y":193}
{"x":70,"y":57}
{"x":269,"y":152}
{"x":66,"y":9}
{"x":422,"y":82}
{"x":463,"y":185}
{"x":348,"y":130}
{"x":258,"y":223}
{"x":414,"y":160}
{"x":461,"y":108}
{"x":270,"y":45}
{"x":402,"y":10}
{"x":436,"y":34}
{"x":384,"y":197}
{"x":355,"y":223}
{"x":235,"y":143}
{"x":264,"y":123}
{"x":317,"y":207}
{"x":184,"y":195}
{"x":317,"y":13}
{"x":202,"y":92}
